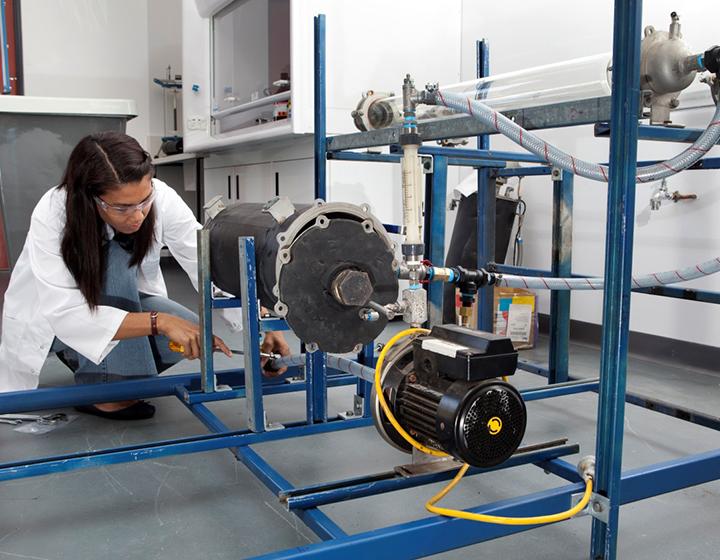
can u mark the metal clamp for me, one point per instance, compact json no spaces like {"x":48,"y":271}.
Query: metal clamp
{"x":271,"y":426}
{"x":427,"y":164}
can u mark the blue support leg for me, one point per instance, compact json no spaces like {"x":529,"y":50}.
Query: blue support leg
{"x":436,"y":234}
{"x":486,"y":202}
{"x":207,"y":372}
{"x":486,"y":244}
{"x":364,"y":388}
{"x":482,"y":70}
{"x":320,"y":110}
{"x":618,"y":270}
{"x":561,"y":266}
{"x":251,"y":335}
{"x":315,"y":380}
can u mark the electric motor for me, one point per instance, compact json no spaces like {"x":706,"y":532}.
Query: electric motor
{"x":444,"y":390}
{"x":317,"y":265}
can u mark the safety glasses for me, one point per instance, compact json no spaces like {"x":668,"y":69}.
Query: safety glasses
{"x":126,"y":209}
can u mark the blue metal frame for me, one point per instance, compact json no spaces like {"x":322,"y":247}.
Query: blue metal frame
{"x":618,"y":270}
{"x":561,"y":266}
{"x":432,"y":534}
{"x":7,"y":88}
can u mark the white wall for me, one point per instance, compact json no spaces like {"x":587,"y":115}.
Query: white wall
{"x":102,"y":48}
{"x":525,"y":34}
{"x":164,"y":33}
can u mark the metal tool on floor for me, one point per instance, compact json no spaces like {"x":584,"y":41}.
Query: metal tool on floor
{"x":16,"y":419}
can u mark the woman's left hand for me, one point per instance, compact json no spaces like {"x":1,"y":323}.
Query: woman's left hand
{"x":274,"y":342}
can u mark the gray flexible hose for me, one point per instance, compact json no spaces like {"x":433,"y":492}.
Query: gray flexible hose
{"x":335,"y":362}
{"x":645,"y":281}
{"x":558,"y":158}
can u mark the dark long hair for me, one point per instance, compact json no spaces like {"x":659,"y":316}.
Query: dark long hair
{"x":100,"y":163}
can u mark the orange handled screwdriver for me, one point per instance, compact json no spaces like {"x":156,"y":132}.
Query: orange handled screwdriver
{"x":180,"y":349}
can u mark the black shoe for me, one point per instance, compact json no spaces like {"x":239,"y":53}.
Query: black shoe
{"x":141,"y":410}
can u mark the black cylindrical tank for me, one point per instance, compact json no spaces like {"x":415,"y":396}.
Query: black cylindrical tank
{"x":317,"y":266}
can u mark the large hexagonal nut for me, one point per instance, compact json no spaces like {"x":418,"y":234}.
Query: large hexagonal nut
{"x":352,"y":288}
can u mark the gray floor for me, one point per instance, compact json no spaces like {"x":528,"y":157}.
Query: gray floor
{"x":208,"y":505}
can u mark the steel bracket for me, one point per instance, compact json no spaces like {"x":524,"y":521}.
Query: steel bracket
{"x":556,"y":174}
{"x":426,"y":162}
{"x":357,"y":411}
{"x":271,"y":426}
{"x":599,"y":508}
{"x":575,"y":499}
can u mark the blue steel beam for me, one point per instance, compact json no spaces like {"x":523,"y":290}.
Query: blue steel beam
{"x":656,"y":133}
{"x":468,"y":162}
{"x":486,"y":245}
{"x":153,"y":450}
{"x":485,"y":204}
{"x":315,"y":379}
{"x":207,"y":371}
{"x":435,"y":234}
{"x":268,"y":389}
{"x":562,"y":227}
{"x":316,"y":397}
{"x":352,"y":489}
{"x":494,"y":156}
{"x":524,"y":171}
{"x":395,"y":158}
{"x":533,"y":367}
{"x":364,"y":156}
{"x":320,"y":102}
{"x":225,"y":303}
{"x":637,"y":399}
{"x":704,"y":296}
{"x":316,"y":520}
{"x":7,"y":88}
{"x":436,"y":534}
{"x":364,"y":388}
{"x":560,"y":389}
{"x":482,"y":70}
{"x":75,"y":395}
{"x":618,"y":270}
{"x":251,"y":335}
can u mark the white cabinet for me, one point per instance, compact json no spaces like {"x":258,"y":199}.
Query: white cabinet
{"x":295,"y":179}
{"x":259,"y":182}
{"x":370,"y":45}
{"x":241,"y":183}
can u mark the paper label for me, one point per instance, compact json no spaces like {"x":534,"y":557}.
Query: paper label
{"x":519,"y":322}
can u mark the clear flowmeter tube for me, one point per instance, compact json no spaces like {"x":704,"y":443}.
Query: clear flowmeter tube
{"x":571,"y":80}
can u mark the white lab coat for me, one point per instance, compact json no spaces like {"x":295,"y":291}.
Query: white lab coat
{"x":43,"y":300}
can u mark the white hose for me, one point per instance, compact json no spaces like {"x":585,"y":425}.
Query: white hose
{"x":646,"y":281}
{"x":558,"y":158}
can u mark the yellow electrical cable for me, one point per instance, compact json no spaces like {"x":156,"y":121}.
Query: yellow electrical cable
{"x":430,"y":504}
{"x":499,"y":520}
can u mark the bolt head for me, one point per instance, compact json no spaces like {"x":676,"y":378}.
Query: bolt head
{"x":352,"y":288}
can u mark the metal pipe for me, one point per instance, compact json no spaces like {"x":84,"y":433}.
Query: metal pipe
{"x":263,"y":102}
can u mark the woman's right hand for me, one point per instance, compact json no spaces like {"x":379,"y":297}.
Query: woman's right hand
{"x":187,"y":335}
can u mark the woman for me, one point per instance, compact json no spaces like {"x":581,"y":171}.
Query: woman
{"x":88,"y":284}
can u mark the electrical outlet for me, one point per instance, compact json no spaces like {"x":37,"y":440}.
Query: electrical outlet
{"x":196,"y":123}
